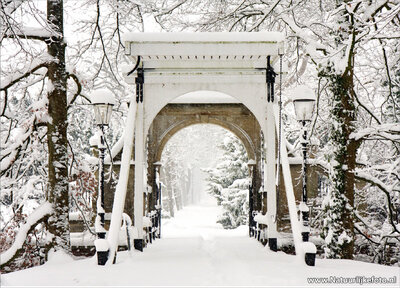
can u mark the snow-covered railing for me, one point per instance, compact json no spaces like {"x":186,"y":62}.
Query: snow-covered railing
{"x":260,"y":219}
{"x":126,"y":235}
{"x":151,"y":224}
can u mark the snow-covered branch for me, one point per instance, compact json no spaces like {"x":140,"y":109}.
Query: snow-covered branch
{"x":31,"y":33}
{"x":9,"y":6}
{"x":389,"y":131}
{"x":170,"y":9}
{"x":34,"y":219}
{"x":36,"y":64}
{"x":78,"y":91}
{"x":385,"y":189}
{"x":10,"y":154}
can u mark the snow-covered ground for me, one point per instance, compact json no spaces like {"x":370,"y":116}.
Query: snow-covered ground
{"x":195,"y":251}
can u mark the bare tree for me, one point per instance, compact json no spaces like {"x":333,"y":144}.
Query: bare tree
{"x":51,"y":35}
{"x":45,"y":81}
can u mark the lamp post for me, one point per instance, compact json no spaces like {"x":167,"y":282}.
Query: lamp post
{"x":304,"y":100}
{"x":251,"y":164}
{"x":102,"y":101}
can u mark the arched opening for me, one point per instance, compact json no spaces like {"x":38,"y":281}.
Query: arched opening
{"x":215,"y":109}
{"x":202,"y":102}
{"x":205,"y":180}
{"x":203,"y":94}
{"x":230,"y":126}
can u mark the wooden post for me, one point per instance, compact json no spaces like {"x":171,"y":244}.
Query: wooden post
{"x":139,"y":139}
{"x":270,"y":178}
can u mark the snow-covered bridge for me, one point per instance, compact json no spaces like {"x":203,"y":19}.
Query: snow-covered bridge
{"x":167,"y":68}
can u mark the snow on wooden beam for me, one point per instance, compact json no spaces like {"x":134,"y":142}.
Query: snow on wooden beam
{"x":204,"y":45}
{"x":205,"y":37}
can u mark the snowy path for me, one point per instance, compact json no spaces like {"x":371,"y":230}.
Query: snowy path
{"x":195,"y":251}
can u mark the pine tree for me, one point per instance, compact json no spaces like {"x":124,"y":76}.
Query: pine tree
{"x":228,"y":183}
{"x":235,"y":204}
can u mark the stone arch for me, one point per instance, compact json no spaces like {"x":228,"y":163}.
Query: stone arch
{"x":172,"y":91}
{"x":235,"y":129}
{"x":203,"y":118}
{"x":235,"y":117}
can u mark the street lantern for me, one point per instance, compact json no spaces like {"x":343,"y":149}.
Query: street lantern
{"x":102,"y":101}
{"x":304,"y":100}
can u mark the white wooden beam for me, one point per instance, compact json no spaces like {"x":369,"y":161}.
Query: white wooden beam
{"x":271,"y":172}
{"x":139,"y":170}
{"x":287,"y":177}
{"x":201,"y":49}
{"x":120,"y":191}
{"x":203,"y":76}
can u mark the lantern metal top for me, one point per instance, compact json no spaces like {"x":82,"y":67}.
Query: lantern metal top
{"x":302,"y":92}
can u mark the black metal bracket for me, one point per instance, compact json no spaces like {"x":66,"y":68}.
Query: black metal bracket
{"x":270,"y":75}
{"x":139,"y":85}
{"x":136,"y":66}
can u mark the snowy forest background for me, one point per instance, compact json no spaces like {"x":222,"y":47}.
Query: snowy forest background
{"x":55,"y":52}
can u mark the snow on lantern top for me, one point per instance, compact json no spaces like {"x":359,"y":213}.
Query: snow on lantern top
{"x":303,"y":99}
{"x":102,"y":101}
{"x":102,"y":96}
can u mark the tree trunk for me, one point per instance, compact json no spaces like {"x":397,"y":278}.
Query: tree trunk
{"x":168,"y":191}
{"x":57,"y":130}
{"x":339,"y":223}
{"x":338,"y":227}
